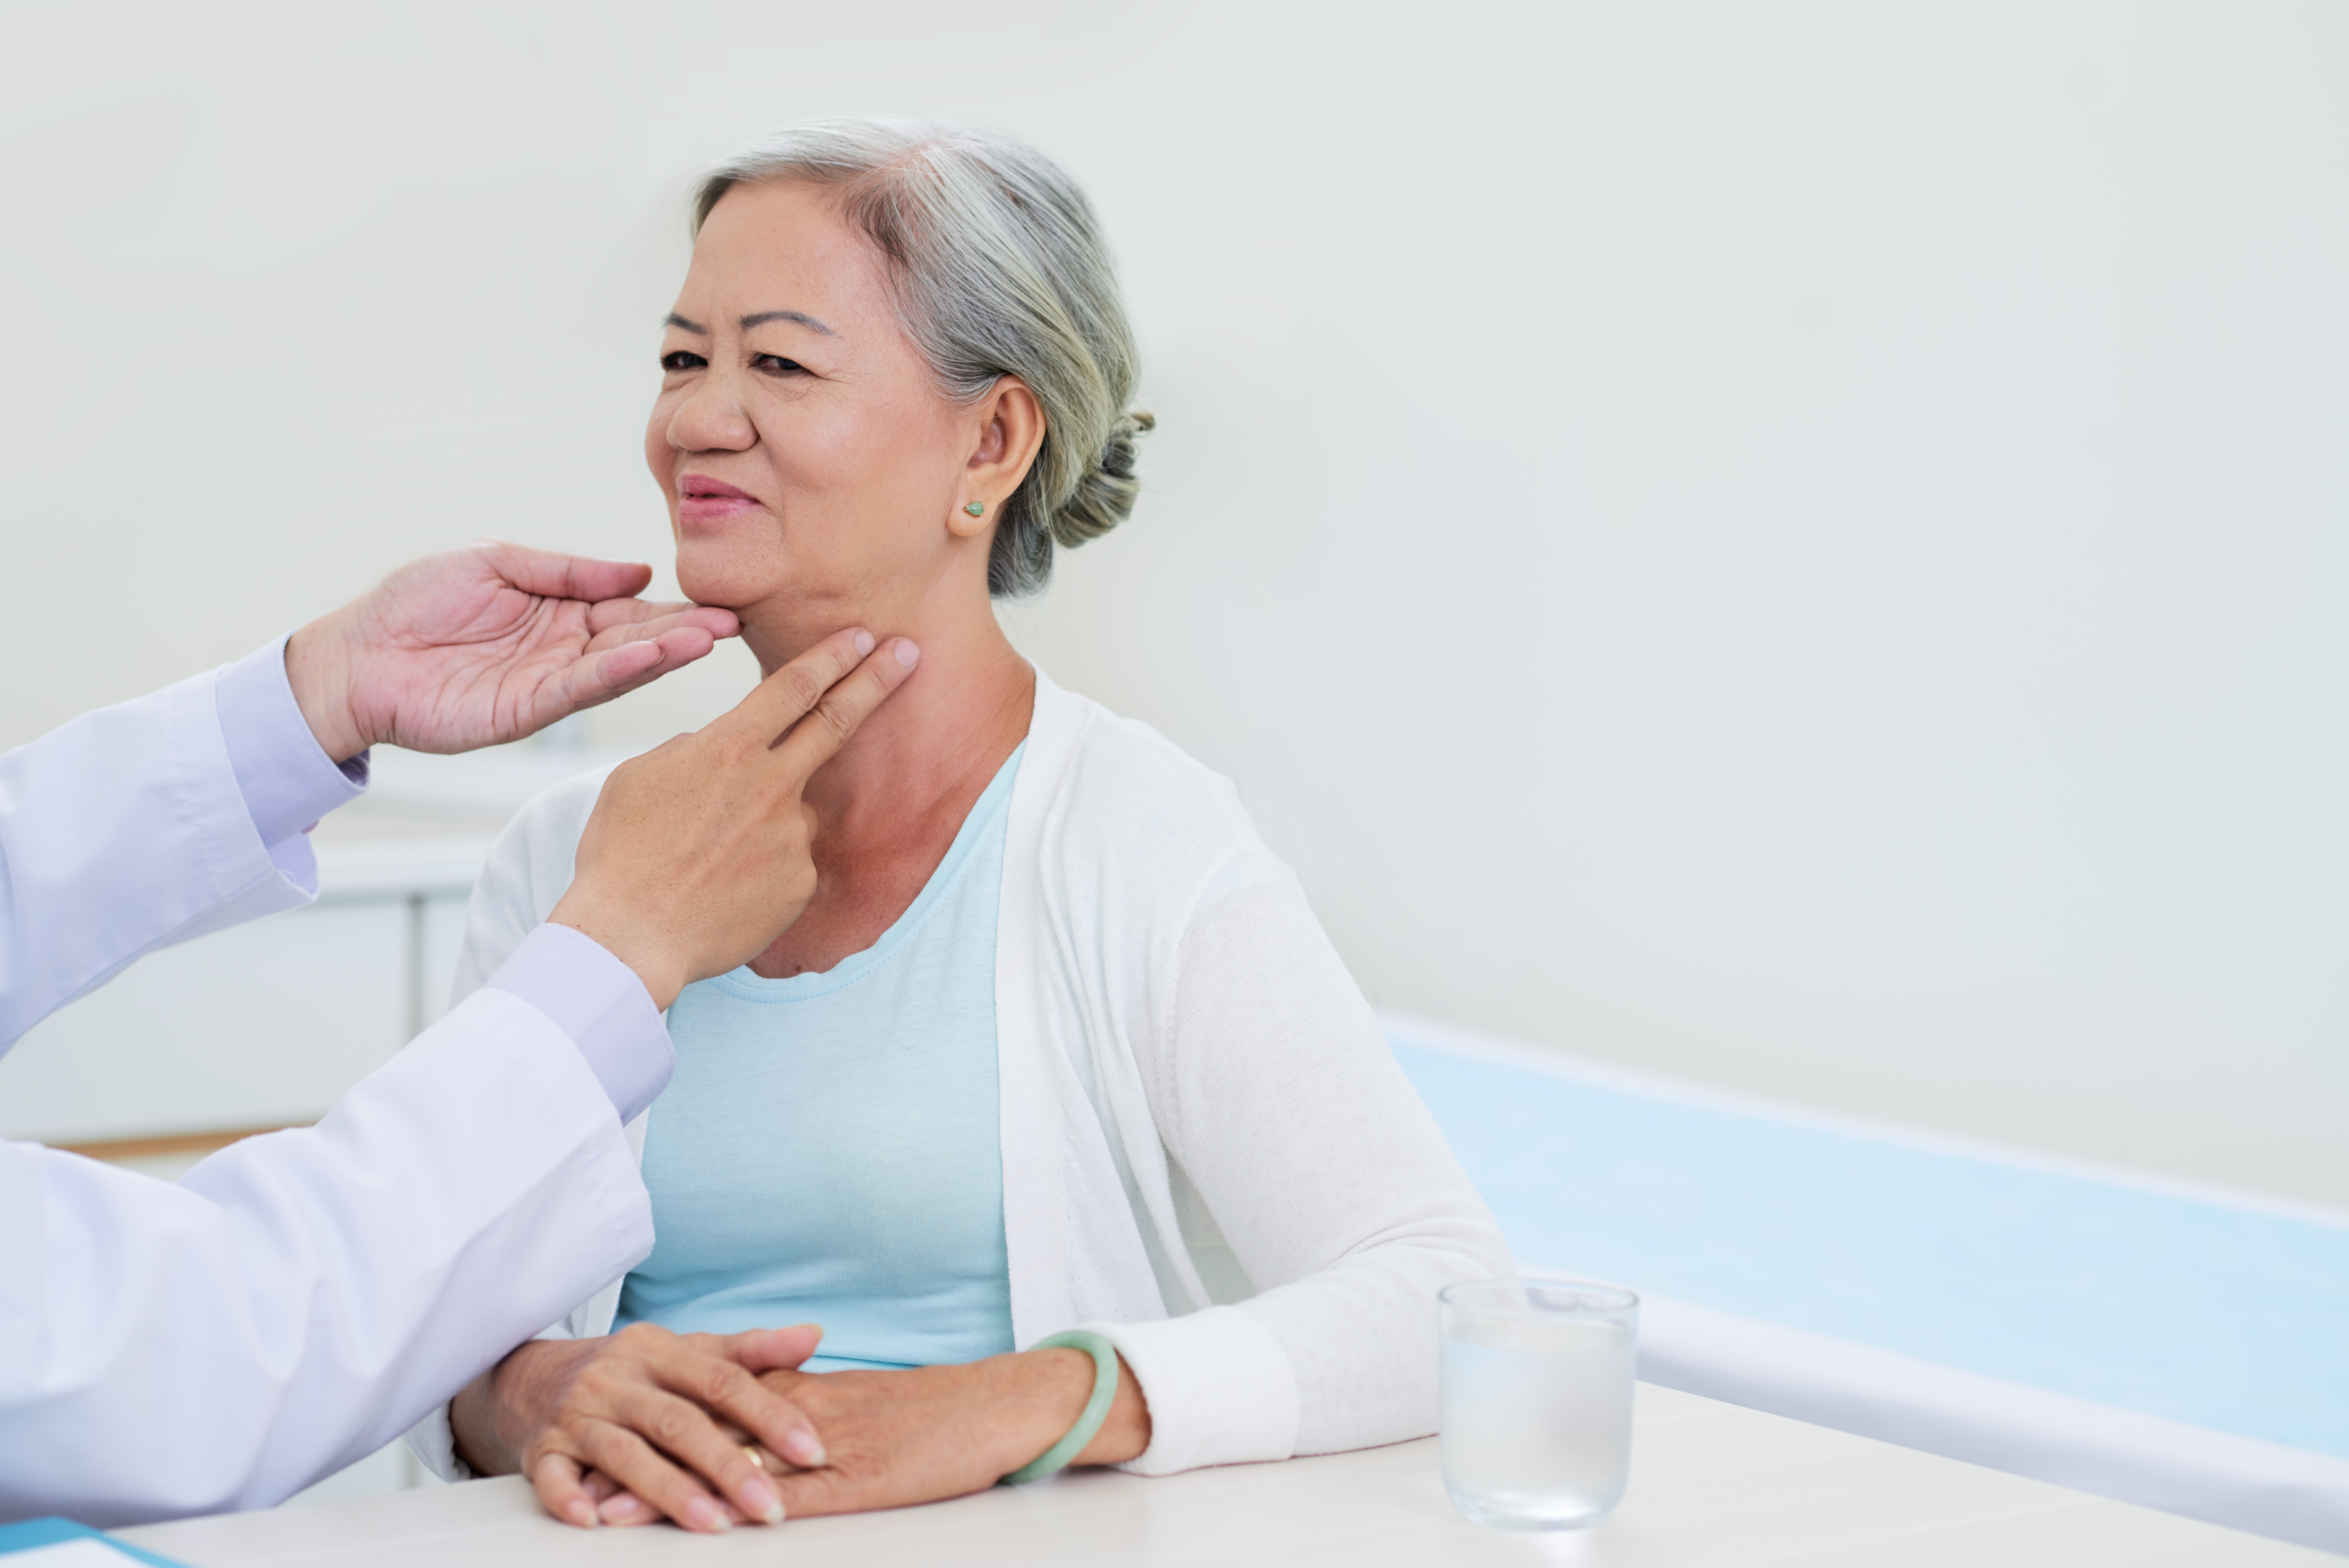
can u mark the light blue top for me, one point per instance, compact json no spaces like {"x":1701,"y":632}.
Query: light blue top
{"x":829,"y":1152}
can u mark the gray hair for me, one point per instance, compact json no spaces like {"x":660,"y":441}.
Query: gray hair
{"x":997,"y":268}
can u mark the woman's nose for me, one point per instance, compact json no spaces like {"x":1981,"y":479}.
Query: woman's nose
{"x":710,"y":419}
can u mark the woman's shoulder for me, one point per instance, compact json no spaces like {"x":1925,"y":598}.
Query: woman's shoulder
{"x":1115,"y":791}
{"x":533,"y":856}
{"x":525,"y":876}
{"x":561,"y":810}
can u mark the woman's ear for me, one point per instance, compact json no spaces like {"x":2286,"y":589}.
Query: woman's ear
{"x":1010,"y":427}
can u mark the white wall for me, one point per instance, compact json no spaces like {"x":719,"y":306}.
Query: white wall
{"x":1803,"y":544}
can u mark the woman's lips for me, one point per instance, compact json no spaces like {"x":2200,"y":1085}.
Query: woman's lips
{"x":702,"y":499}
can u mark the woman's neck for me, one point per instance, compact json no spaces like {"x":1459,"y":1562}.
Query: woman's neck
{"x":889,"y":804}
{"x":966,"y":707}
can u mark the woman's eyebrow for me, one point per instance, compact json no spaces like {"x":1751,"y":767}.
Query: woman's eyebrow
{"x":803,"y":317}
{"x":748,"y":322}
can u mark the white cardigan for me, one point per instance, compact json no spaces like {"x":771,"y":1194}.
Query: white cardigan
{"x":1209,"y":1154}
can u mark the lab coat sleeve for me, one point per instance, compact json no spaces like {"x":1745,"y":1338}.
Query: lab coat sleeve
{"x":297,"y":1300}
{"x":131,"y":829}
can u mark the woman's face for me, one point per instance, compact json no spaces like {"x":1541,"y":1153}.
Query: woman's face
{"x":812,"y":467}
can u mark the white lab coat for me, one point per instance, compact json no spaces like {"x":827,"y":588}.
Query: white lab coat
{"x":296,"y":1300}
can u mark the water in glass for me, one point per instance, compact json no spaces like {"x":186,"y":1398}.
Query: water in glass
{"x":1536,"y":1419}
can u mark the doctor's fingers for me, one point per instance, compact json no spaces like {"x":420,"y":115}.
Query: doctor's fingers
{"x":814,"y":739}
{"x":616,"y":622}
{"x":601,"y":674}
{"x":782,"y":699}
{"x":553,"y":574}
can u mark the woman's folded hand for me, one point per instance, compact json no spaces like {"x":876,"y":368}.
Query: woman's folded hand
{"x":895,"y":1439}
{"x":642,"y":1409}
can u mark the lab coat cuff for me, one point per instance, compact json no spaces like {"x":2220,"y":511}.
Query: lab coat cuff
{"x":598,"y":1002}
{"x":286,"y":778}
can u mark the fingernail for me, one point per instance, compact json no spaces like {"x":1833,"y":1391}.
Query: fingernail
{"x":763,"y":1502}
{"x":801,"y":1448}
{"x":907,"y":653}
{"x":703,"y":1514}
{"x":864,"y":643}
{"x":622,"y":1508}
{"x":582,"y":1513}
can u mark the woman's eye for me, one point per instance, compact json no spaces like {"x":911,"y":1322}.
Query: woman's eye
{"x":681,"y":361}
{"x":776,"y":365}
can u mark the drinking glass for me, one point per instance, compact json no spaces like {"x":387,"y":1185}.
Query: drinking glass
{"x":1537,"y":1422}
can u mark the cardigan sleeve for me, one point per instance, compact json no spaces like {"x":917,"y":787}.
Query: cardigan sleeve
{"x":1279,"y":1101}
{"x":522,"y":879}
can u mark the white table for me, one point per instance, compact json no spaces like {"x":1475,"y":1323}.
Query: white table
{"x":1710,"y":1483}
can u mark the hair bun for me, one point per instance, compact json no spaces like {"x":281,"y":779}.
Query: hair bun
{"x":1105,"y":491}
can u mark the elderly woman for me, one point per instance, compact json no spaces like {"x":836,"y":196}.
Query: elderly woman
{"x":1058,"y":1044}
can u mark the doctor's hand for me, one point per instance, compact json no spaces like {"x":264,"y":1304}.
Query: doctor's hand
{"x":701,"y":851}
{"x":486,"y":644}
{"x":633,"y":1411}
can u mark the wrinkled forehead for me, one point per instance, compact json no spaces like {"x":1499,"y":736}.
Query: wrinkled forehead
{"x":785,"y":252}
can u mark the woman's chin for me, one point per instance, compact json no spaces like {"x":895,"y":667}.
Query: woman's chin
{"x":718,"y":596}
{"x":725,"y":581}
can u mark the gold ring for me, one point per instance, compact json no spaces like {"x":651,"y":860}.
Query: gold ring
{"x":750,"y":1451}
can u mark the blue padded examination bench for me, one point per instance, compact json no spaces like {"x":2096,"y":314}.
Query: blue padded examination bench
{"x":2178,"y":1348}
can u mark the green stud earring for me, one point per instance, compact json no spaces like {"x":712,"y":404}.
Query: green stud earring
{"x":976,"y":508}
